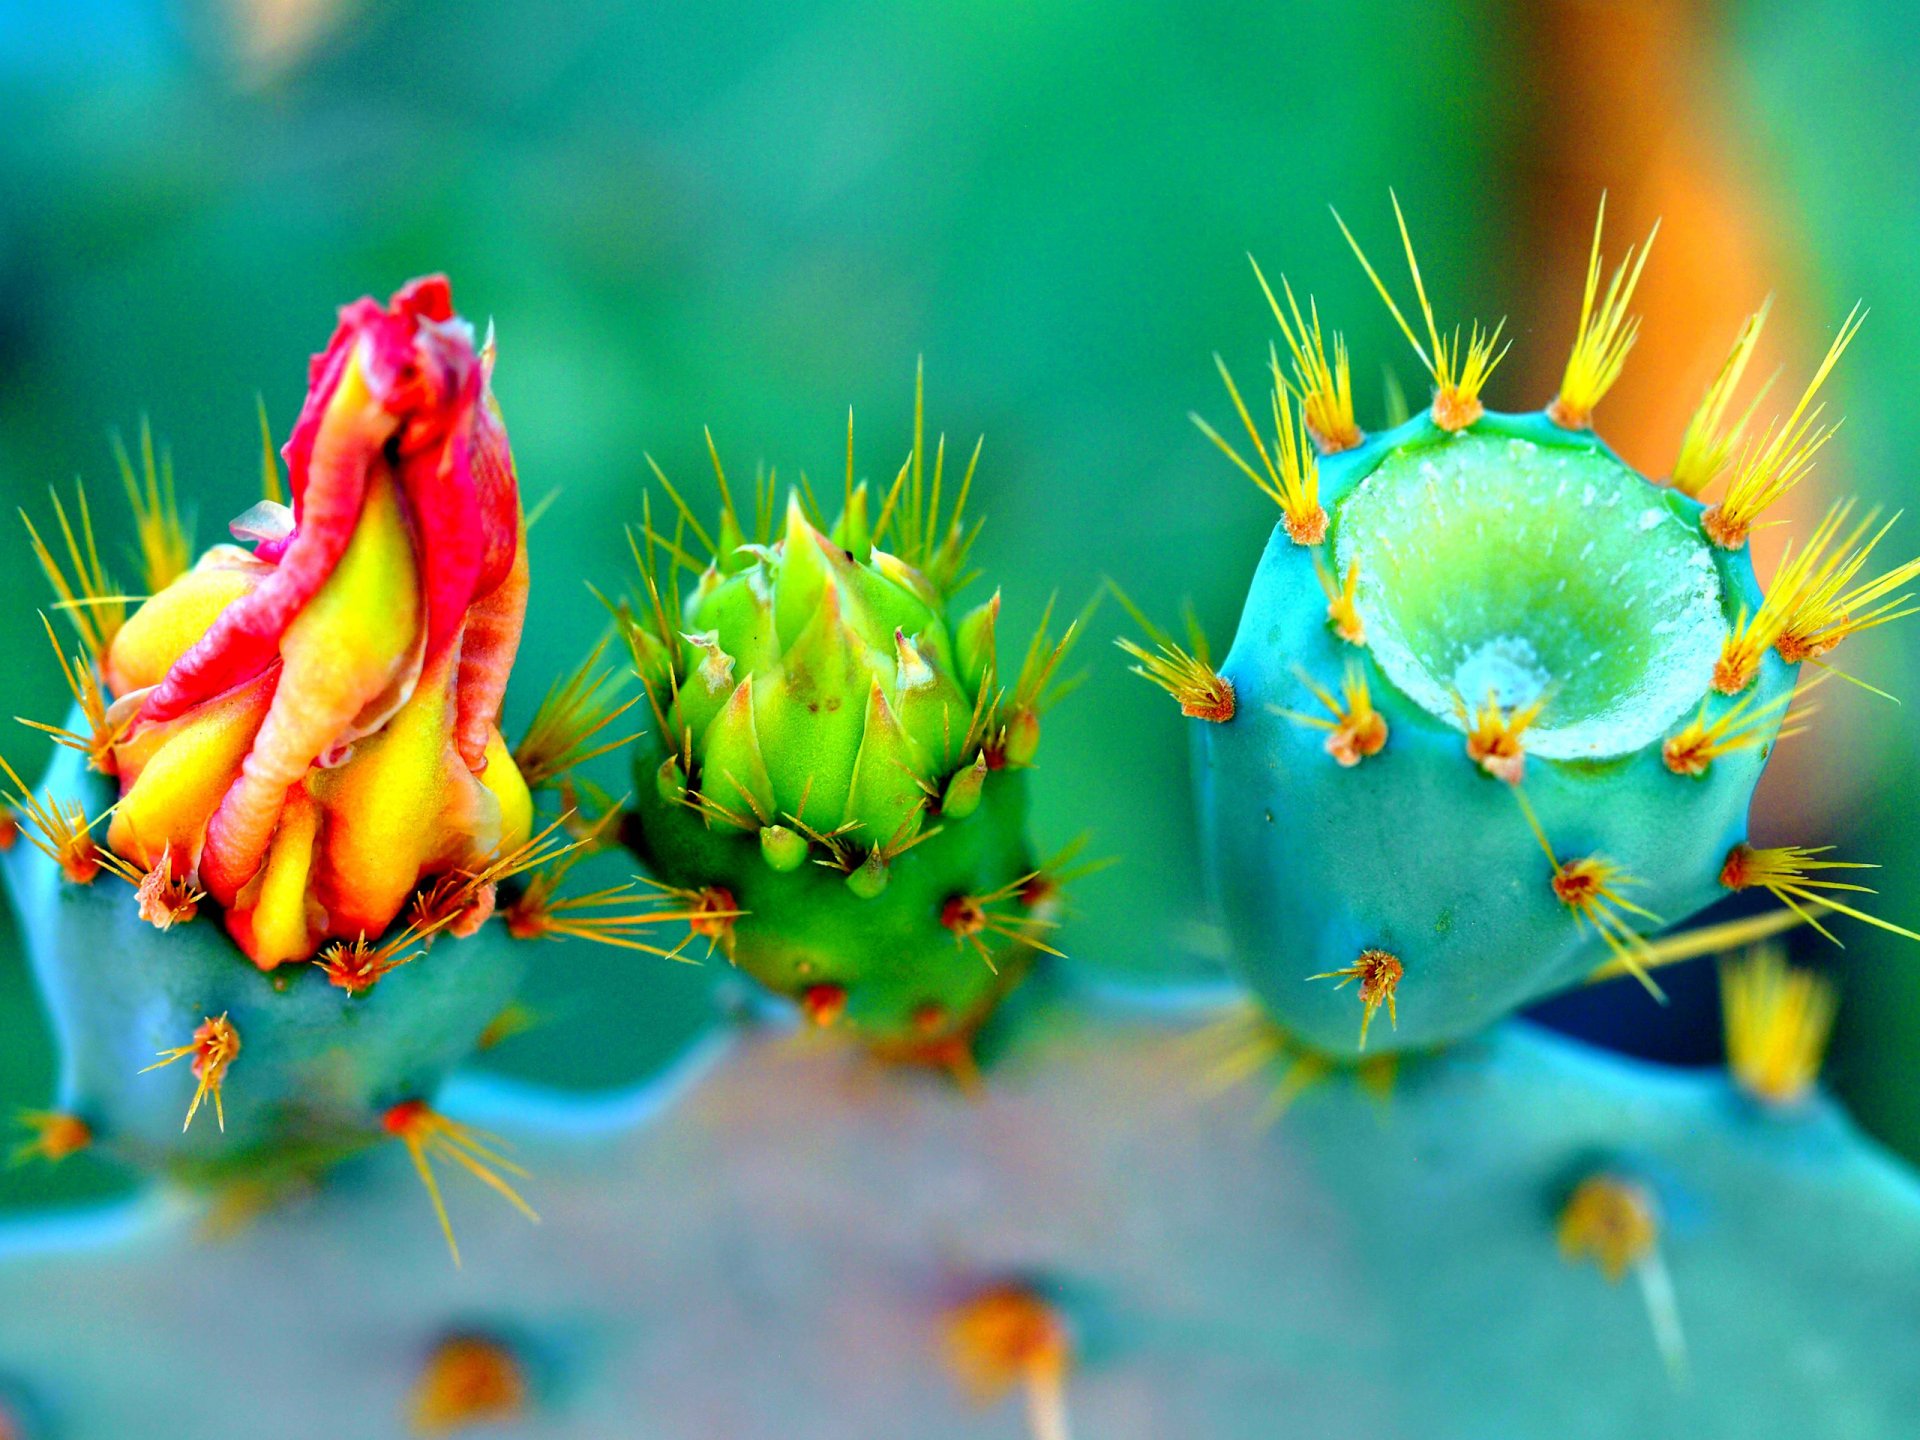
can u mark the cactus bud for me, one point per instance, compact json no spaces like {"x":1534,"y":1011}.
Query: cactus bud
{"x":783,"y":849}
{"x":962,"y":795}
{"x":1023,"y":738}
{"x":835,"y":713}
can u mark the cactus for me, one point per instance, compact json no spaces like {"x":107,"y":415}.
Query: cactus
{"x":831,"y":796}
{"x":1497,"y":703}
{"x":834,"y":781}
{"x":290,"y":759}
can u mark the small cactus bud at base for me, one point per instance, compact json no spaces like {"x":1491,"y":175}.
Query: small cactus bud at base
{"x":782,"y":848}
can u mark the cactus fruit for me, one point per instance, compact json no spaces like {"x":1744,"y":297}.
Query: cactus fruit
{"x":292,"y":759}
{"x":1497,"y":703}
{"x":829,"y":1252}
{"x":836,"y":773}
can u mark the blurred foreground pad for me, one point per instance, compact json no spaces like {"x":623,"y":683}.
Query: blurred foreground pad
{"x":767,"y":1243}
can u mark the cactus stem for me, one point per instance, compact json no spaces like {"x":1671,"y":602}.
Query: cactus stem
{"x":1289,"y":475}
{"x":1356,"y":730}
{"x":52,"y":1135}
{"x":1494,"y":734}
{"x":58,"y":829}
{"x":1615,"y":1222}
{"x":1709,"y":442}
{"x":1771,"y":466}
{"x":1379,"y":974}
{"x":1693,"y":748}
{"x":1325,"y":386}
{"x":468,"y":1380}
{"x":1777,"y":1020}
{"x":213,"y":1049}
{"x":1604,"y":335}
{"x":1591,"y":888}
{"x":1458,"y":377}
{"x":1009,"y":1336}
{"x":102,"y":733}
{"x":1343,"y":611}
{"x":1791,"y":874}
{"x":429,"y":1135}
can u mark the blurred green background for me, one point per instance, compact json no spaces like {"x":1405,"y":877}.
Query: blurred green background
{"x":754,"y":216}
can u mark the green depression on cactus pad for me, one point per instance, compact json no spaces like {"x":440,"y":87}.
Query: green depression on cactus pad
{"x":1493,"y":565}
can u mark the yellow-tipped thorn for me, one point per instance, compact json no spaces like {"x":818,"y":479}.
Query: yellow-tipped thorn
{"x":1184,"y":671}
{"x":1009,"y":1336}
{"x":1496,"y":735}
{"x":1355,"y":730}
{"x":52,"y":1135}
{"x":1458,"y":375}
{"x":1343,"y":611}
{"x":1605,"y":333}
{"x":1772,"y":465}
{"x":1777,"y":1022}
{"x":165,"y":540}
{"x":1592,"y":888}
{"x":1323,"y":379}
{"x":1709,"y":442}
{"x":429,"y":1135}
{"x":213,"y":1049}
{"x":1379,"y":974}
{"x":1615,"y":1222}
{"x":1289,"y":473}
{"x":1794,"y":875}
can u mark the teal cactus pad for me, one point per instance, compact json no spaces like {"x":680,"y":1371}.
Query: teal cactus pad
{"x":316,"y":1067}
{"x":800,"y":1224}
{"x":1527,"y":559}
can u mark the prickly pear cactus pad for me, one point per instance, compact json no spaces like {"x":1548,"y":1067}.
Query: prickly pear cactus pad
{"x":1524,"y":1238}
{"x":1497,"y":703}
{"x":835,"y":777}
{"x":283,"y":781}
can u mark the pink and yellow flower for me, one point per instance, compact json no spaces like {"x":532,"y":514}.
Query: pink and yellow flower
{"x":308,"y":729}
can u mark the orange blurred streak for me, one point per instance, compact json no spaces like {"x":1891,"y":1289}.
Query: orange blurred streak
{"x":1631,"y":99}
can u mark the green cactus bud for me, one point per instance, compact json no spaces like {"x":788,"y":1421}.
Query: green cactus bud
{"x":853,"y":532}
{"x":782,"y":848}
{"x":1023,"y":737}
{"x":962,"y":795}
{"x":858,"y":727}
{"x":974,"y":642}
{"x":870,"y":879}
